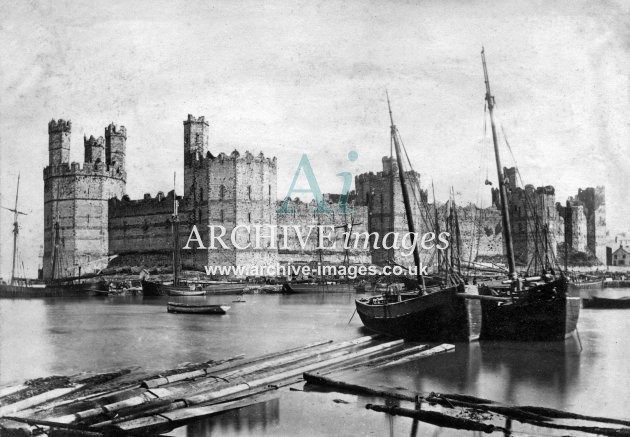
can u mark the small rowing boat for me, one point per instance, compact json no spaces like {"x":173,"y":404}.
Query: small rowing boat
{"x":176,"y":307}
{"x":606,"y":302}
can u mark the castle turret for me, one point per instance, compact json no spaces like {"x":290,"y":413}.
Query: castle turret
{"x":59,"y":142}
{"x":94,"y":149}
{"x":195,"y":147}
{"x":195,"y":138}
{"x":115,"y":143}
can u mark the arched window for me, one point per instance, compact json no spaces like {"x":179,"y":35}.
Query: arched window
{"x":201,"y":194}
{"x":249,"y":217}
{"x":222,"y":192}
{"x":249,"y":192}
{"x":221,"y":216}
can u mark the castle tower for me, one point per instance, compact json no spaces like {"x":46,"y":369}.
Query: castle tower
{"x":76,"y":201}
{"x":115,"y":143}
{"x":195,"y":148}
{"x":94,"y":149}
{"x":382,"y":193}
{"x":242,"y":190}
{"x":59,"y":142}
{"x":195,"y":137}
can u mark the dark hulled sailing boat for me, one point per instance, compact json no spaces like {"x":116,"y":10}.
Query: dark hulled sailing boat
{"x":430,"y":313}
{"x":533,"y":309}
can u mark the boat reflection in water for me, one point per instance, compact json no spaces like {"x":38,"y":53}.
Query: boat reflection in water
{"x":252,"y":420}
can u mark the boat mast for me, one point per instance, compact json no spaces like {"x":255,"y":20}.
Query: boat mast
{"x":437,"y":228}
{"x":175,"y":237}
{"x":405,"y":193}
{"x":16,"y":229}
{"x":505,"y":214}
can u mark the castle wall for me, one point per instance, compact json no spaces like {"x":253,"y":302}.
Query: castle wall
{"x":303,"y":216}
{"x":480,"y":231}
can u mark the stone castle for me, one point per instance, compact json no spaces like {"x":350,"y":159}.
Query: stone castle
{"x":90,"y":219}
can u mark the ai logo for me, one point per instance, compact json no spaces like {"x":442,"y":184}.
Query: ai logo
{"x":313,"y":187}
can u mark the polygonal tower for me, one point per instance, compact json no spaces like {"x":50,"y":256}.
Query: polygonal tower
{"x":76,"y":200}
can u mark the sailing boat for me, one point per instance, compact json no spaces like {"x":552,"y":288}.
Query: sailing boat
{"x":431,"y":313}
{"x":25,"y":288}
{"x":529,"y":309}
{"x":151,"y":288}
{"x":13,"y":288}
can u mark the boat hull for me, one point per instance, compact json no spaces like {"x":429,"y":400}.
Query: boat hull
{"x":548,"y":313}
{"x":310,"y":287}
{"x":224,"y":288}
{"x":602,"y":302}
{"x":587,"y":285}
{"x":438,"y":316}
{"x":179,"y":292}
{"x":174,"y":307}
{"x":150,"y":288}
{"x":52,"y":290}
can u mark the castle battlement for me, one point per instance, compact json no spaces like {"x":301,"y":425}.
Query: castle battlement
{"x":100,"y":141}
{"x":86,"y":169}
{"x":115,"y":130}
{"x":60,"y":125}
{"x":147,"y":205}
{"x":192,"y":119}
{"x":248,"y":157}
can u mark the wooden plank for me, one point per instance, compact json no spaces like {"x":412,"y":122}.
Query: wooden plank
{"x":37,"y":399}
{"x":269,"y":378}
{"x":10,"y":390}
{"x":434,"y":418}
{"x":443,"y":348}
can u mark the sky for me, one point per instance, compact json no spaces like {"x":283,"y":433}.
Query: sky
{"x":292,"y":77}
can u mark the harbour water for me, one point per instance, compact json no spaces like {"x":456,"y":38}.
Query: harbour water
{"x":586,"y":374}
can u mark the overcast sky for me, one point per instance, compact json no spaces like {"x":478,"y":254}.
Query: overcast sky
{"x":289,"y":77}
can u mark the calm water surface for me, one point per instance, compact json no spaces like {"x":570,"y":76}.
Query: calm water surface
{"x":41,"y":337}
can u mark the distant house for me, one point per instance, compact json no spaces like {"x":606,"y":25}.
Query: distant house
{"x":621,"y":257}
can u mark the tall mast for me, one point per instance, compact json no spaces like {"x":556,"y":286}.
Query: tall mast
{"x":505,"y":214}
{"x":405,"y":193}
{"x":437,"y":227}
{"x":16,"y":229}
{"x":175,"y":236}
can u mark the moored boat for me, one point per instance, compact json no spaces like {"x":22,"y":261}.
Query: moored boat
{"x":431,"y":313}
{"x":607,"y":302}
{"x":533,"y":309}
{"x":154,"y":288}
{"x":179,"y":292}
{"x":540,"y":312}
{"x":176,"y":307}
{"x":223,"y":287}
{"x":437,"y":315}
{"x":320,"y":287}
